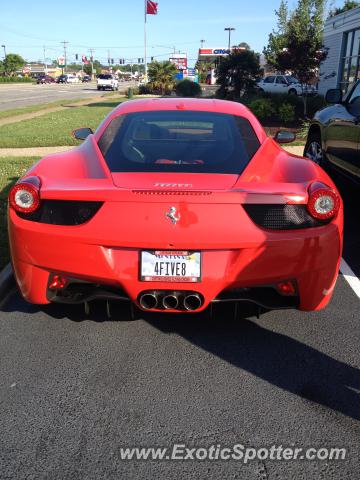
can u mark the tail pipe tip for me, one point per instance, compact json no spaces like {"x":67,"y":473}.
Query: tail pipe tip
{"x":171,"y":301}
{"x":148,"y":301}
{"x":192,"y":301}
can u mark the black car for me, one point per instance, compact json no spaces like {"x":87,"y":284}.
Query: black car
{"x":334,"y":134}
{"x":86,"y":78}
{"x":61,"y":79}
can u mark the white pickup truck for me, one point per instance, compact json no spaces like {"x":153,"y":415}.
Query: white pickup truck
{"x":106,"y":80}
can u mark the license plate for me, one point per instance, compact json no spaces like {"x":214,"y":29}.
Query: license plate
{"x":170,"y":266}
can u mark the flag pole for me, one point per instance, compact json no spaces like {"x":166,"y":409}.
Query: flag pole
{"x":145,"y":58}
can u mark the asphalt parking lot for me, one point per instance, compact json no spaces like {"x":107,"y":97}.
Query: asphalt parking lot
{"x":24,"y":95}
{"x":74,"y":389}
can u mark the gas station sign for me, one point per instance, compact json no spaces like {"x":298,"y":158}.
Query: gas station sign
{"x":179,"y":60}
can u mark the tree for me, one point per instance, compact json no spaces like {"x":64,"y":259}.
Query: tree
{"x":277,"y":39}
{"x":298,"y":46}
{"x":244,"y":45}
{"x":237,"y":73}
{"x":162,"y":76}
{"x":11,"y":63}
{"x":348,"y":5}
{"x":97,"y":67}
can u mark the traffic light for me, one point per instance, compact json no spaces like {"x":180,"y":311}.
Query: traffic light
{"x":139,"y":60}
{"x":152,"y":59}
{"x":76,"y":56}
{"x":112,"y":61}
{"x":142,"y":60}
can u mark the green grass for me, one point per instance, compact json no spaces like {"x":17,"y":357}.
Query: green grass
{"x":11,"y":168}
{"x":53,"y":129}
{"x":36,"y":108}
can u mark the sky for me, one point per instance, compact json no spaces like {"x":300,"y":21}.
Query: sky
{"x":117,"y":27}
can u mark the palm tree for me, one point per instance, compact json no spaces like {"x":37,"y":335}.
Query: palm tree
{"x":203,"y":67}
{"x":162,"y":76}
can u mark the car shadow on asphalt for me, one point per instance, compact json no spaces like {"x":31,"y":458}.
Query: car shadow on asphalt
{"x":274,"y":357}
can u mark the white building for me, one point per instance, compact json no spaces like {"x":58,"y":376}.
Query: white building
{"x":342,"y":39}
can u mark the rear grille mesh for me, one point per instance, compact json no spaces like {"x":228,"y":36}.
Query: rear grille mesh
{"x":63,"y":212}
{"x":281,"y":217}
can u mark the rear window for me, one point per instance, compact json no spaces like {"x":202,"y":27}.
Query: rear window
{"x":104,"y":77}
{"x":178,"y":141}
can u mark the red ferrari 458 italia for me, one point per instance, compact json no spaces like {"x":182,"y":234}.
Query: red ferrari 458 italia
{"x":174,"y":205}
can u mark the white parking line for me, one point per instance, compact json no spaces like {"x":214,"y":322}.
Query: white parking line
{"x":350,"y":277}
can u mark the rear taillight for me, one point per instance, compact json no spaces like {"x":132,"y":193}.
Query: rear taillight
{"x":323,"y":203}
{"x":24,"y":197}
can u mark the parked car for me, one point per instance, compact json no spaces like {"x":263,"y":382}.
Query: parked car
{"x":61,"y":79}
{"x":86,"y":78}
{"x":107,"y":81}
{"x":45,"y":79}
{"x":285,"y":84}
{"x":159,"y":209}
{"x":334,"y":133}
{"x":72,"y":78}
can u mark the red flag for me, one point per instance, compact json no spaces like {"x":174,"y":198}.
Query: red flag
{"x":151,"y":7}
{"x":84,"y":59}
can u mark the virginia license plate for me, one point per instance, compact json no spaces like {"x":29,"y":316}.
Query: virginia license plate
{"x":170,"y":266}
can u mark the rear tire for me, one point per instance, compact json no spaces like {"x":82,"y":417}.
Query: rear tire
{"x":313,"y":149}
{"x":292,"y":91}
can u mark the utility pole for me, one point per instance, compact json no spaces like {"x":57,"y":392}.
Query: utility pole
{"x":202,"y":43}
{"x":45,"y":66}
{"x":65,"y":43}
{"x":109,"y":59}
{"x":91,"y":50}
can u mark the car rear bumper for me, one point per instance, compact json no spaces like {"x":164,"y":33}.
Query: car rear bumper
{"x":309,"y":258}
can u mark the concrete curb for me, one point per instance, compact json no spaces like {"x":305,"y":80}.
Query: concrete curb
{"x":7,"y":281}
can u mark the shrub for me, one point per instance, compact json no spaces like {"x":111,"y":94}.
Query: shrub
{"x":187,"y":88}
{"x":315,"y":104}
{"x":144,"y":89}
{"x":16,"y":80}
{"x":286,"y":112}
{"x":304,"y":129}
{"x":280,"y":99}
{"x":262,"y":108}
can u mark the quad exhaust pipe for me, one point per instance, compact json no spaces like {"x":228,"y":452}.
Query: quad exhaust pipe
{"x":165,"y":300}
{"x":192,"y":302}
{"x":171,"y":301}
{"x":148,"y":300}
